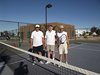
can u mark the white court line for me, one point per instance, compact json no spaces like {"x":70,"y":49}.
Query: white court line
{"x":89,"y":49}
{"x":77,"y":46}
{"x":18,"y":54}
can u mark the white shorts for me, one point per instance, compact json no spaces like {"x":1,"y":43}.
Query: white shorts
{"x":63,"y":49}
{"x":50,"y":47}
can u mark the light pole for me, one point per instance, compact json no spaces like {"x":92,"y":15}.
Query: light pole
{"x":47,"y":6}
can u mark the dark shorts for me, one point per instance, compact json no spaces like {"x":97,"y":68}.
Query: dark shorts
{"x":38,"y":49}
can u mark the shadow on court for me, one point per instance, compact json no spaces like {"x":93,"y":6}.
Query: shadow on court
{"x":22,"y":69}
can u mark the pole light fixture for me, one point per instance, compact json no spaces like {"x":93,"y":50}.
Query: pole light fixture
{"x":46,"y":7}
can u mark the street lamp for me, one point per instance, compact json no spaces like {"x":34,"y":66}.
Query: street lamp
{"x":47,"y":6}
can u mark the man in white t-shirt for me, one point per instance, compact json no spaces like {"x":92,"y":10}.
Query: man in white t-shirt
{"x":37,"y":40}
{"x":50,"y":41}
{"x":64,"y":43}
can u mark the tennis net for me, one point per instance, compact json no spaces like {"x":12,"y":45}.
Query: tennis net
{"x":64,"y":69}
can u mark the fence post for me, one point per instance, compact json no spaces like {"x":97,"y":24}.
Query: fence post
{"x":18,"y":36}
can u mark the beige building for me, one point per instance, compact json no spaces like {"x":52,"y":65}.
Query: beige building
{"x":26,"y":30}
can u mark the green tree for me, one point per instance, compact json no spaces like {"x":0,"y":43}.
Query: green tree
{"x":98,"y":31}
{"x":94,"y":29}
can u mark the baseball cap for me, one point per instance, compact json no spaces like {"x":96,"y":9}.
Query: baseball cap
{"x":61,"y":26}
{"x":37,"y":25}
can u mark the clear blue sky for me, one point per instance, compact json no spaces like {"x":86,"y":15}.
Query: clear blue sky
{"x":81,"y":13}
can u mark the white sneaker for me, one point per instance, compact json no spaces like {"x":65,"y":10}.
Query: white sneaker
{"x":53,"y":60}
{"x":54,"y":63}
{"x":34,"y":63}
{"x":47,"y":62}
{"x":60,"y":64}
{"x":41,"y":62}
{"x":66,"y":62}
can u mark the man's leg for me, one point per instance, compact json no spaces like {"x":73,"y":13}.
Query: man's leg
{"x":33,"y":58}
{"x":48,"y":49}
{"x":34,"y":51}
{"x":60,"y":60}
{"x":40,"y":50}
{"x":65,"y":57}
{"x":48,"y":54}
{"x":60,"y":57}
{"x":40,"y":53}
{"x":40,"y":60}
{"x":61,"y":51}
{"x":37,"y":51}
{"x":53,"y":51}
{"x":65,"y":54}
{"x":53,"y":55}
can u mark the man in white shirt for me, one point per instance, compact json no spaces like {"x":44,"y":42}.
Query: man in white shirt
{"x":50,"y":41}
{"x":64,"y":43}
{"x":37,"y":40}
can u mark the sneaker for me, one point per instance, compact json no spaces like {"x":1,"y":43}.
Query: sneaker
{"x":41,"y":62}
{"x":58,"y":65}
{"x":66,"y":62}
{"x":53,"y":60}
{"x":47,"y":62}
{"x":34,"y":63}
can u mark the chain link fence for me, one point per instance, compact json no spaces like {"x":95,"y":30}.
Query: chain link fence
{"x":18,"y":33}
{"x":11,"y":33}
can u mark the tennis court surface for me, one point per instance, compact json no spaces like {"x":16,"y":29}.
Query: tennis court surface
{"x":83,"y":57}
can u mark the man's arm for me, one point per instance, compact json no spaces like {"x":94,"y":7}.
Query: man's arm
{"x":67,"y":41}
{"x":43,"y":40}
{"x":31,"y":43}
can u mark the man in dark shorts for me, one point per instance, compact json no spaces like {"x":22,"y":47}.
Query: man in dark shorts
{"x":37,"y":40}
